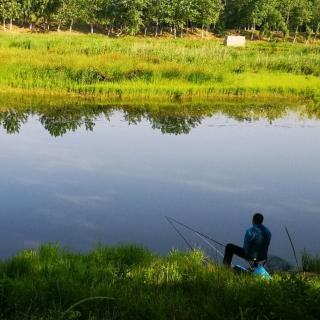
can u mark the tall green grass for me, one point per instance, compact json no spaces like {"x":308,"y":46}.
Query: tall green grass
{"x":129,"y":282}
{"x":310,"y":263}
{"x":133,"y":67}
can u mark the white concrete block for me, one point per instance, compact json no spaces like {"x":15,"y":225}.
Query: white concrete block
{"x":235,"y":41}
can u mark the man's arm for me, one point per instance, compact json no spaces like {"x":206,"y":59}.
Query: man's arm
{"x":247,"y":239}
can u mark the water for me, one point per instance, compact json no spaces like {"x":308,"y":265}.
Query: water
{"x":110,"y":176}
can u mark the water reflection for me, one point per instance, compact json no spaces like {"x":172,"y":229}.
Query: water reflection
{"x":177,"y":120}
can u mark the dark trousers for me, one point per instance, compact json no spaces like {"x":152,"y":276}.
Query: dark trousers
{"x":232,"y":249}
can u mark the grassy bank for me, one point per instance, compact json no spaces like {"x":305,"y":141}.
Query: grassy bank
{"x":132,"y":68}
{"x":129,"y":282}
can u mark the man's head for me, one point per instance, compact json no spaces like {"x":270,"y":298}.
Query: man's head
{"x":257,"y":218}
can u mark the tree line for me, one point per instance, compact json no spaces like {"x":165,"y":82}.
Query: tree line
{"x":118,"y":17}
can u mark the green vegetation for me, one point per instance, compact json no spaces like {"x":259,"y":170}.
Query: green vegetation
{"x":156,"y":69}
{"x":59,"y":115}
{"x":48,"y":284}
{"x":310,"y":263}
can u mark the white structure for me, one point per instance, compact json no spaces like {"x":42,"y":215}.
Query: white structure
{"x":235,"y":41}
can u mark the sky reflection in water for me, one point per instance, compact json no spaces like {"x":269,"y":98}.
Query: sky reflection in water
{"x":117,"y":182}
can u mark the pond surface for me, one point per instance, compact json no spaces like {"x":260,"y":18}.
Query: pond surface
{"x":112,"y":175}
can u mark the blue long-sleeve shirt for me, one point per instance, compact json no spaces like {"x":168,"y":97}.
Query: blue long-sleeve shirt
{"x":256,"y":241}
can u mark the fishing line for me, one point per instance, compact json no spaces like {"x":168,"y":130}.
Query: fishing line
{"x":195,"y":231}
{"x":213,"y":247}
{"x":202,"y":236}
{"x":210,"y":245}
{"x":179,"y":233}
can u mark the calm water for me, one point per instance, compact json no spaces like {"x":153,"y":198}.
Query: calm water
{"x":112,"y":178}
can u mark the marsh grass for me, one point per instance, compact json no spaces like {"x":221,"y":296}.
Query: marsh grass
{"x":310,"y":263}
{"x":139,"y":68}
{"x":45,"y":283}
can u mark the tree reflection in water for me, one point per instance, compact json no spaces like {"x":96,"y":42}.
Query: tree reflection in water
{"x":172,"y":119}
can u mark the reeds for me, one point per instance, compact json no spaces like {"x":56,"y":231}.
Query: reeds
{"x":138,"y":68}
{"x":310,"y":263}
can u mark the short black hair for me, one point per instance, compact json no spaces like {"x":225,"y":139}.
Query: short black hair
{"x":257,"y":218}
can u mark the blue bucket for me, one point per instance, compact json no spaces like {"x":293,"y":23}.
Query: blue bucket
{"x":262,"y":272}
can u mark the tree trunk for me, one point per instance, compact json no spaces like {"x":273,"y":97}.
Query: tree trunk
{"x":156,"y":30}
{"x":4,"y":24}
{"x":175,"y":31}
{"x":30,"y":26}
{"x":270,"y":34}
{"x":59,"y":27}
{"x":295,"y":35}
{"x":253,"y":30}
{"x":71,"y":24}
{"x":161,"y":31}
{"x":91,"y":28}
{"x":202,"y":31}
{"x":145,"y":31}
{"x":316,"y":33}
{"x":10,"y":24}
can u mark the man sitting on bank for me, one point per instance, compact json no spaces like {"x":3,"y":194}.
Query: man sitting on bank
{"x":256,"y":243}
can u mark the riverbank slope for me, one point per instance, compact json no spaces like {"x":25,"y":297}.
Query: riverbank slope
{"x":129,"y":282}
{"x":147,"y":69}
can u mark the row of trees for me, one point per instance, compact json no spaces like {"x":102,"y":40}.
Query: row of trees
{"x":268,"y":15}
{"x":133,"y":16}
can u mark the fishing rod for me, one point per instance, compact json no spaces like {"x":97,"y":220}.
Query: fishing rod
{"x":292,"y":246}
{"x":202,"y":236}
{"x":195,"y":231}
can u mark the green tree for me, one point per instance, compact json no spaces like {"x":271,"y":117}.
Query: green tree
{"x":207,"y":12}
{"x":9,"y":9}
{"x":302,"y":14}
{"x":156,"y":13}
{"x":267,"y":15}
{"x":49,"y":8}
{"x":316,"y":17}
{"x":92,"y":12}
{"x":287,"y":7}
{"x":236,"y":13}
{"x":183,"y":11}
{"x":132,"y":14}
{"x":27,"y":10}
{"x":69,"y":12}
